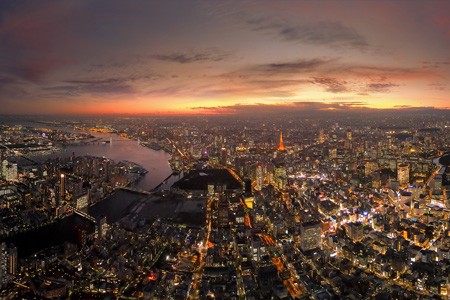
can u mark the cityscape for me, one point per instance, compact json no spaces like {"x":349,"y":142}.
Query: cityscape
{"x":295,"y":208}
{"x":243,"y":150}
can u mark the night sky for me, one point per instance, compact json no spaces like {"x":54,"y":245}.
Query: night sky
{"x":222,"y":56}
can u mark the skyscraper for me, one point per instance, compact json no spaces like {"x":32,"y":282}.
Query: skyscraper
{"x":259,"y":177}
{"x":62,"y":187}
{"x":11,"y":172}
{"x":310,"y":235}
{"x":349,"y":134}
{"x":12,"y":258}
{"x":102,"y":226}
{"x":281,"y":146}
{"x":403,"y":174}
{"x":4,"y":168}
{"x":3,"y":265}
{"x":223,"y":157}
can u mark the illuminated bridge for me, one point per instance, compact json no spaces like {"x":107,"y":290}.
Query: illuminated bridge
{"x":83,"y":214}
{"x":144,"y":192}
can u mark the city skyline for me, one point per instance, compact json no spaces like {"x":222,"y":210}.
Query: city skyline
{"x":179,"y":57}
{"x":225,"y":207}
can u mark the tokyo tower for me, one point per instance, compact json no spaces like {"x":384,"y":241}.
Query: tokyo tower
{"x":281,"y":146}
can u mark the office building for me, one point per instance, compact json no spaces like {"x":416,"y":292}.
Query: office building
{"x":310,"y":235}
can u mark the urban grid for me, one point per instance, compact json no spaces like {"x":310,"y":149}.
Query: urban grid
{"x":228,"y":149}
{"x":308,"y":209}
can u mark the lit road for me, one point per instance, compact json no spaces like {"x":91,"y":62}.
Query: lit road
{"x":193,"y":292}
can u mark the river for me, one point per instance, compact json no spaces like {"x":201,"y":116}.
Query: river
{"x":155,"y":162}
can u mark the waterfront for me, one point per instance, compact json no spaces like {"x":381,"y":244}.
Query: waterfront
{"x":114,"y":206}
{"x":120,"y":149}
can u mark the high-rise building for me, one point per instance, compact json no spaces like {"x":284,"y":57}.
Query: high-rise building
{"x":322,"y":136}
{"x":355,"y":231}
{"x":247,"y":187}
{"x":11,"y":172}
{"x":281,"y":145}
{"x":280,"y":176}
{"x":81,"y":236}
{"x":259,"y":177}
{"x":223,"y":212}
{"x":102,"y":226}
{"x":349,"y":135}
{"x":82,"y":201}
{"x":4,"y":168}
{"x":62,"y":187}
{"x":3,"y":265}
{"x":403,"y":174}
{"x":12,"y":259}
{"x":224,"y":157}
{"x":257,"y":249}
{"x":310,"y":235}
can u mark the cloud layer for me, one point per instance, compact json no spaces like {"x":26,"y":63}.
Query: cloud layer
{"x":174,"y":56}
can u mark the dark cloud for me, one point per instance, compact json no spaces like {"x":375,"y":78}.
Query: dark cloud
{"x":287,"y":78}
{"x":63,"y":91}
{"x":381,"y":87}
{"x":169,"y":91}
{"x":97,"y":86}
{"x":383,"y":73}
{"x":320,"y":33}
{"x":414,"y":108}
{"x":282,"y":68}
{"x":325,"y":33}
{"x":330,"y":68}
{"x":438,"y":86}
{"x":308,"y":108}
{"x":212,"y":55}
{"x":264,"y":83}
{"x":96,"y":81}
{"x":287,"y":107}
{"x":117,"y":50}
{"x":332,"y":85}
{"x":294,"y":67}
{"x":435,"y":65}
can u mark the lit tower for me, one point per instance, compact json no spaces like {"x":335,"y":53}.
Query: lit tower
{"x":62,"y":187}
{"x":281,"y":146}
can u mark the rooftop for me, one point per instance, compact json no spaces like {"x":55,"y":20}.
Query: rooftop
{"x":200,"y":179}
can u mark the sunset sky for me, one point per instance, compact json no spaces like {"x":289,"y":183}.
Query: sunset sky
{"x":222,"y":56}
